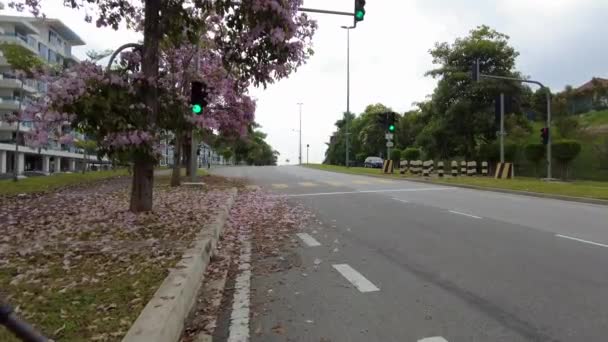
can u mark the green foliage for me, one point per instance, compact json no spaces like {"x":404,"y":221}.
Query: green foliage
{"x":461,"y":110}
{"x":568,"y":126}
{"x":396,"y":155}
{"x":253,"y":149}
{"x":491,"y":152}
{"x":535,"y":153}
{"x":564,"y":151}
{"x":89,"y":146}
{"x":366,"y":136}
{"x":411,"y":153}
{"x":21,"y":58}
{"x":518,"y":128}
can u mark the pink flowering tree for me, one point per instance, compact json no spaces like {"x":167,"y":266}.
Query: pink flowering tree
{"x":257,"y":41}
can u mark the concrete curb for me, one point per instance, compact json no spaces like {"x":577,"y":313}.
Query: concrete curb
{"x":162,"y":320}
{"x":474,"y":187}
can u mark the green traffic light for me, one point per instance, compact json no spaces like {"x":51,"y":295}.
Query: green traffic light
{"x":360,"y":14}
{"x":197,"y":109}
{"x":391,"y":128}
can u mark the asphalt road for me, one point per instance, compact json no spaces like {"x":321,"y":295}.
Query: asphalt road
{"x":392,"y":260}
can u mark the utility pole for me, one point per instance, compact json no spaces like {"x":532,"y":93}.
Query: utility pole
{"x":300,"y":144}
{"x":502,"y":127}
{"x":347,"y":28}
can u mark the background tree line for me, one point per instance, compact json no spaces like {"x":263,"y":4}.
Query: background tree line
{"x":459,"y":119}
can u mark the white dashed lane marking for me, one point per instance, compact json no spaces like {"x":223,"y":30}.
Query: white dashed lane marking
{"x":581,"y":240}
{"x":401,"y":200}
{"x":464,"y":214}
{"x":307,"y":184}
{"x":433,"y":339}
{"x":308,"y":240}
{"x":280,"y":186}
{"x":356,"y":278}
{"x":367,"y":192}
{"x":239,"y":319}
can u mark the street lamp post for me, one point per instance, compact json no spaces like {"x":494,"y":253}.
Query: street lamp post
{"x":347,"y":28}
{"x":300,"y":144}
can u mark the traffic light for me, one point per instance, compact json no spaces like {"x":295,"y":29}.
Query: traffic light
{"x":198,"y":97}
{"x":390,"y":122}
{"x":544,"y":135}
{"x":359,"y":10}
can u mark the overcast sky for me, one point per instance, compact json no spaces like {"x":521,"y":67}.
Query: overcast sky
{"x":560,"y":41}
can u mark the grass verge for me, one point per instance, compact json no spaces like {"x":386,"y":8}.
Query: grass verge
{"x":586,"y":189}
{"x":56,"y":181}
{"x":80,"y":267}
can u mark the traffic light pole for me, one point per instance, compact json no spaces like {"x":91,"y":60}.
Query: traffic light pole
{"x":548,"y":93}
{"x":193,"y":157}
{"x":348,"y":28}
{"x":314,"y":10}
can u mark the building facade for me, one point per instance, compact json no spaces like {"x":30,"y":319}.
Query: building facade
{"x":52,"y":41}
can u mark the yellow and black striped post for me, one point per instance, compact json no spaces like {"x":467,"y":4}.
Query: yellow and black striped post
{"x":504,"y":171}
{"x":403,"y":167}
{"x":426,"y":168}
{"x":454,"y":168}
{"x":472,"y":168}
{"x":484,"y":168}
{"x":419,"y":167}
{"x":388,"y":166}
{"x":440,"y":170}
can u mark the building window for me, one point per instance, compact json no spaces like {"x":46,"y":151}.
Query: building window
{"x":55,"y":39}
{"x":52,"y":56}
{"x":43,"y":51}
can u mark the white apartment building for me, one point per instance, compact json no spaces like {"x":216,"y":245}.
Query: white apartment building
{"x":52,"y":41}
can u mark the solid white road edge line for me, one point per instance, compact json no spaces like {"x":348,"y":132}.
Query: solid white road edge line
{"x":367,"y":192}
{"x":239,"y":319}
{"x":433,"y":339}
{"x":308,"y":240}
{"x":580,"y":240}
{"x":356,"y":278}
{"x":464,"y":214}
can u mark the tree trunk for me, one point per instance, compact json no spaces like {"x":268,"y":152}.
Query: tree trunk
{"x":141,"y":187}
{"x":177,"y":160}
{"x":143,"y":168}
{"x":187,"y":150}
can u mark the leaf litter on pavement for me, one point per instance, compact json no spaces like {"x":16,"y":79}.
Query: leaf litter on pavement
{"x":79,"y":266}
{"x":269,"y":222}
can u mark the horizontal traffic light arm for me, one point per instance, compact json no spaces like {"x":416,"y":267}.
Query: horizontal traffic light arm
{"x":314,"y":10}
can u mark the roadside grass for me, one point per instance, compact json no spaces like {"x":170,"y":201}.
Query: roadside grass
{"x":588,"y":189}
{"x":597,"y":118}
{"x":52,"y":182}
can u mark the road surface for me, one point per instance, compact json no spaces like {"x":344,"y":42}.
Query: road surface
{"x":392,"y":260}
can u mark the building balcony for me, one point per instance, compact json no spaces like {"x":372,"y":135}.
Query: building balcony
{"x":9,"y":103}
{"x":11,"y":82}
{"x":17,"y":38}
